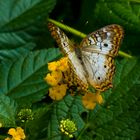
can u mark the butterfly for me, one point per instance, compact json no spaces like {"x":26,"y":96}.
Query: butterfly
{"x":93,"y":63}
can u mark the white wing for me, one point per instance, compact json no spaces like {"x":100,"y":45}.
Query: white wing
{"x":98,"y":50}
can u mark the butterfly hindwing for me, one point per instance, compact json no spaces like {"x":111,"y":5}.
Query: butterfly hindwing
{"x":100,"y":70}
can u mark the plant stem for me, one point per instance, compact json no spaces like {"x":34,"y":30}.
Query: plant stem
{"x":68,"y":28}
{"x":121,"y":53}
{"x":80,"y":34}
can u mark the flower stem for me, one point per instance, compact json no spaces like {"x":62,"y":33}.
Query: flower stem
{"x":82,"y":35}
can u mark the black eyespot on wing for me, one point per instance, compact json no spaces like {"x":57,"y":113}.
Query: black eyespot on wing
{"x":104,"y":66}
{"x":105,"y":45}
{"x":98,"y":78}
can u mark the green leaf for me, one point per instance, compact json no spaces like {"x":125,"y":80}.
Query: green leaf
{"x":70,"y":107}
{"x":23,"y":78}
{"x":7,"y":111}
{"x":16,"y":15}
{"x":10,"y":41}
{"x":123,"y":12}
{"x":15,"y":53}
{"x":19,"y":14}
{"x":119,"y":117}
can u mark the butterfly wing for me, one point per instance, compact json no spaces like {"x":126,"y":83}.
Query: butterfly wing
{"x":67,"y":48}
{"x":98,"y":51}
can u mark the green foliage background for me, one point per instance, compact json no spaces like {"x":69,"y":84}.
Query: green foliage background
{"x":25,"y":49}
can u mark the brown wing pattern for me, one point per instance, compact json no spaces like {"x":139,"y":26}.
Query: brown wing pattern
{"x":106,"y":40}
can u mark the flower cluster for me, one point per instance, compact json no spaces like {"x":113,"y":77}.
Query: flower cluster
{"x":55,"y":78}
{"x":90,"y":100}
{"x":68,"y":127}
{"x":25,"y":115}
{"x":16,"y":134}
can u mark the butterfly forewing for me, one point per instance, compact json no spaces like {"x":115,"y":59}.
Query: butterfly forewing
{"x":106,"y":40}
{"x":67,"y":48}
{"x":98,"y":50}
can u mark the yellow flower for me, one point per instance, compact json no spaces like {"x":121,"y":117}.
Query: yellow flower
{"x":58,"y":92}
{"x":12,"y":131}
{"x":63,"y":64}
{"x":89,"y":100}
{"x":17,"y":134}
{"x":53,"y":78}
